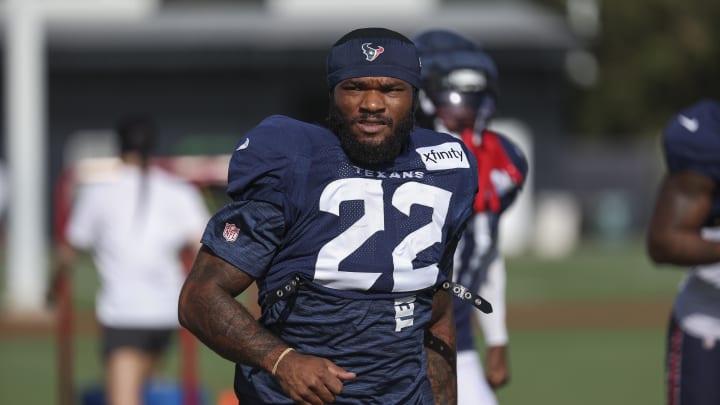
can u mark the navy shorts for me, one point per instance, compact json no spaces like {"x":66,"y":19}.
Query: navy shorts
{"x":152,"y":341}
{"x":692,"y":368}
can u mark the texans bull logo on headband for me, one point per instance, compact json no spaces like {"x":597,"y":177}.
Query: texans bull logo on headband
{"x":371,"y":53}
{"x":360,"y":54}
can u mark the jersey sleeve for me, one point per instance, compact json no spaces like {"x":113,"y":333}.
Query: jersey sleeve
{"x":258,"y":166}
{"x":507,"y":186}
{"x":691,"y":141}
{"x":517,"y":156}
{"x":246,"y":234}
{"x":494,"y":325}
{"x":247,"y":231}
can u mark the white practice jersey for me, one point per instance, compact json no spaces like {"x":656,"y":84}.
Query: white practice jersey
{"x":135,"y":226}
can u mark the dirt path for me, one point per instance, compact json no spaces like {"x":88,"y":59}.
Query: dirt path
{"x":526,"y":316}
{"x":638,"y":314}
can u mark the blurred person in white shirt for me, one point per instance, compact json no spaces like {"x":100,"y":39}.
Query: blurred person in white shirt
{"x":136,"y":222}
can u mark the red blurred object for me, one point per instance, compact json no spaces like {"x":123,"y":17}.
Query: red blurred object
{"x":188,"y":353}
{"x":63,"y":291}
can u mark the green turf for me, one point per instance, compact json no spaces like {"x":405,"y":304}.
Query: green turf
{"x":595,"y":272}
{"x":558,"y":367}
{"x":588,"y":367}
{"x":28,"y":373}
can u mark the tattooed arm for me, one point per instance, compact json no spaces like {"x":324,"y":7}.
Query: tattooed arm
{"x":441,"y":350}
{"x":209,"y":310}
{"x":683,"y":204}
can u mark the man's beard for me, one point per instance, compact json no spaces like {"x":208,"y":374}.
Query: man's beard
{"x":366,"y":154}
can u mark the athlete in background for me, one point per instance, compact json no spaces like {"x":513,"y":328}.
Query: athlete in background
{"x":349,"y":232}
{"x":136,"y":221}
{"x":458,"y":97}
{"x":685,"y":231}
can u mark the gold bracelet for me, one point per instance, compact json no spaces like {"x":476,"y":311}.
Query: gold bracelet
{"x":286,"y":351}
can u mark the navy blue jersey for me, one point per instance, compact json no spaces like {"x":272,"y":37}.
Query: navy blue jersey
{"x":368,"y":246}
{"x":479,"y":245}
{"x":691,"y":142}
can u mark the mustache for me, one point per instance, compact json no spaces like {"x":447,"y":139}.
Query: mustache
{"x":371,"y":117}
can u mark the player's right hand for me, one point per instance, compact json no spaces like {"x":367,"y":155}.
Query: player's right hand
{"x":497,"y":367}
{"x":53,"y":289}
{"x":310,"y":379}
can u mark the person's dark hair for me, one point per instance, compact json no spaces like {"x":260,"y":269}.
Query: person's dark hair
{"x":137,"y":133}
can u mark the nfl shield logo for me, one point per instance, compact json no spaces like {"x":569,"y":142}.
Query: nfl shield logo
{"x":231,"y":232}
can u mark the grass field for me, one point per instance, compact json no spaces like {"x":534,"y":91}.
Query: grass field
{"x":586,"y":330}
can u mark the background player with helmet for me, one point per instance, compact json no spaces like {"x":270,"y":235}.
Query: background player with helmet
{"x":349,"y":232}
{"x":460,"y":89}
{"x":685,"y":231}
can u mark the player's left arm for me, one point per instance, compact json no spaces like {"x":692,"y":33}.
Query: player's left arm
{"x":75,"y":236}
{"x":441,"y":350}
{"x":682,"y":206}
{"x":494,"y":325}
{"x":685,"y":200}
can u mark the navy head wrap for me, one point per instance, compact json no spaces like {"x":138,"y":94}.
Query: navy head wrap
{"x":373,"y":52}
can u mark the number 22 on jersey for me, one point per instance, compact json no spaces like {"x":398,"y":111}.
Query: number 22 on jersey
{"x":370,"y":192}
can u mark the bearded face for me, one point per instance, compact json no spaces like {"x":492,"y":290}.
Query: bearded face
{"x":371,"y":137}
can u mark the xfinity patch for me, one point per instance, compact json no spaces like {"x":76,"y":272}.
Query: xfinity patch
{"x":449,"y":155}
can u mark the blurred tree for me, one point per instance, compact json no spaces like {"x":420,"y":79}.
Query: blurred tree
{"x":654,"y":56}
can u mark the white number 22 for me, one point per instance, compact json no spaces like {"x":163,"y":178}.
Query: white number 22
{"x":370,"y":192}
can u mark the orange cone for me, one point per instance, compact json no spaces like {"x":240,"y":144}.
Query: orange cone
{"x":227,"y":397}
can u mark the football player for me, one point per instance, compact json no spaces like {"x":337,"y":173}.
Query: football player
{"x":459,"y":94}
{"x":349,"y":232}
{"x":685,"y":231}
